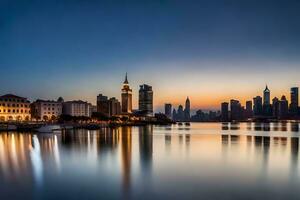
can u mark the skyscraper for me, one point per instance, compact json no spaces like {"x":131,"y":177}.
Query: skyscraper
{"x":267,"y":108}
{"x":249,"y":109}
{"x":187,"y":110}
{"x":168,"y":110}
{"x":146,"y":100}
{"x":294,"y":101}
{"x":283,"y":108}
{"x":235,"y":110}
{"x":180,"y":113}
{"x":257,"y":108}
{"x":126,"y":97}
{"x":275,"y":107}
{"x":224,"y":111}
{"x":267,"y":96}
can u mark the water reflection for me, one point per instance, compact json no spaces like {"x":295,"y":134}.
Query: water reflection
{"x":133,"y":161}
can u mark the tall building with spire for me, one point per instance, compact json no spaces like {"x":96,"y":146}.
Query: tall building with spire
{"x":267,"y":96}
{"x":126,"y":97}
{"x":187,"y":110}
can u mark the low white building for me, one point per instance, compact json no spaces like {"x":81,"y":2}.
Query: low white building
{"x":46,"y":109}
{"x":14,"y":108}
{"x":77,"y":108}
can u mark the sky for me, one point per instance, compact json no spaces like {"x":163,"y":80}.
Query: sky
{"x":209,"y":50}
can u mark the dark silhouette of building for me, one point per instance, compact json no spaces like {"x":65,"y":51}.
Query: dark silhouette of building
{"x":168,"y":110}
{"x":126,"y":97}
{"x":146,"y":100}
{"x":108,"y":107}
{"x":174,"y":115}
{"x":275,"y":107}
{"x":180,"y":113}
{"x":249,"y":109}
{"x":294,"y":105}
{"x":235,"y":110}
{"x":283,"y":108}
{"x":187,"y":110}
{"x":257,"y":108}
{"x":267,"y":108}
{"x":225,"y":111}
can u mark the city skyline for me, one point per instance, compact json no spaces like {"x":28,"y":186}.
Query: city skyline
{"x":211,"y":51}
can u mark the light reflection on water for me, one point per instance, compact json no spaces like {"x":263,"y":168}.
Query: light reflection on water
{"x":205,"y":160}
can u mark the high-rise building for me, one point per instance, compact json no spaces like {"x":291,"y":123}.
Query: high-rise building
{"x":249,"y":109}
{"x":168,"y":110}
{"x":267,"y":96}
{"x":14,"y":108}
{"x":108,"y":107}
{"x":187,"y":110}
{"x":257,"y":108}
{"x":102,"y":104}
{"x":267,"y":108}
{"x":275,"y":107}
{"x":114,"y":107}
{"x":283,"y":108}
{"x":180,"y":113}
{"x":235,"y":110}
{"x":225,"y":111}
{"x":126,"y":97}
{"x":174,"y":114}
{"x":146,"y":100}
{"x":294,"y":105}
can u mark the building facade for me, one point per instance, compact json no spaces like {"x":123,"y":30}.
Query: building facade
{"x":224,"y":111}
{"x":14,"y":108}
{"x":146,"y":100}
{"x":257,"y":106}
{"x":168,"y":110}
{"x":294,"y":105}
{"x":77,"y":108}
{"x":126,"y":97}
{"x":46,"y":110}
{"x":187,"y":109}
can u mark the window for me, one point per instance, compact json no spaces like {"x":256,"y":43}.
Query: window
{"x":21,"y":111}
{"x":13,"y":110}
{"x":8,"y":110}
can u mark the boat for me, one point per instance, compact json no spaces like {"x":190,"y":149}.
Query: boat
{"x":187,"y":123}
{"x":180,"y":124}
{"x":48,"y":128}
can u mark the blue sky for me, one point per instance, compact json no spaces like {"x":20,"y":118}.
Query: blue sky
{"x":210,"y":50}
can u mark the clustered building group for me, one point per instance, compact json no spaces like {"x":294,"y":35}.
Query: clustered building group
{"x":263,"y":108}
{"x":16,"y":108}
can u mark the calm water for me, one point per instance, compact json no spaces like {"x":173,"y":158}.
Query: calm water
{"x":203,"y":161}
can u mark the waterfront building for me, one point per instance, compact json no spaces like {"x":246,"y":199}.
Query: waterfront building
{"x":267,"y":96}
{"x":224,"y":111}
{"x":168,"y":110}
{"x":180,"y":113}
{"x":126,"y":97}
{"x":187,"y":110}
{"x":249,"y":109}
{"x":114,"y":107}
{"x":77,"y":108}
{"x":108,"y":107}
{"x":235,"y":110}
{"x":294,"y":105}
{"x":283,"y":108}
{"x":102,"y":104}
{"x":257,"y":106}
{"x":46,"y":109}
{"x":174,"y":114}
{"x":146,"y":100}
{"x":275,"y":107}
{"x":14,"y":108}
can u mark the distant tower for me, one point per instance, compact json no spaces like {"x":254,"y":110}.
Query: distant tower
{"x":224,"y":111}
{"x":126,"y":97}
{"x":294,"y":101}
{"x":187,"y":110}
{"x":168,"y":110}
{"x":267,"y":96}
